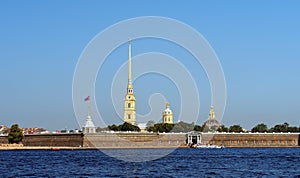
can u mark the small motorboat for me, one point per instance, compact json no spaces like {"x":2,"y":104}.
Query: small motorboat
{"x":209,"y":146}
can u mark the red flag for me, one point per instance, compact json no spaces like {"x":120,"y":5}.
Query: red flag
{"x":87,"y":98}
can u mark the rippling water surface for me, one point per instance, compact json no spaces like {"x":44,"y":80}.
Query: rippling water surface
{"x":229,"y":162}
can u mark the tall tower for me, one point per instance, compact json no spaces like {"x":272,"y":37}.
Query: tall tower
{"x":129,"y":103}
{"x":168,"y":115}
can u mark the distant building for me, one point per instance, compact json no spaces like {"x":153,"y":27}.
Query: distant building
{"x":2,"y":129}
{"x":168,"y":115}
{"x":212,"y":123}
{"x":35,"y":130}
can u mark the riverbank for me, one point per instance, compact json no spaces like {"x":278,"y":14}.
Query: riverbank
{"x":44,"y":148}
{"x":110,"y":140}
{"x":94,"y":148}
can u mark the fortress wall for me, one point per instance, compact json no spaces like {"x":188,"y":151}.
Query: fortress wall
{"x":68,"y":140}
{"x":154,"y":140}
{"x":252,"y":139}
{"x":134,"y":140}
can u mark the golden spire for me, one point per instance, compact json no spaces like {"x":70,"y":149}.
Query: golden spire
{"x":129,"y":62}
{"x":167,"y":104}
{"x":212,"y":113}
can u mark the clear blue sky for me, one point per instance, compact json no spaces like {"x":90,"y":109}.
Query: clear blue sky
{"x":257,"y":43}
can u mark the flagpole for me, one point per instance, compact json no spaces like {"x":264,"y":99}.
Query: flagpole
{"x":89,"y":106}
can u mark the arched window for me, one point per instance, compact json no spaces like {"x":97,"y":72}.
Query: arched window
{"x":129,"y":105}
{"x":128,"y":116}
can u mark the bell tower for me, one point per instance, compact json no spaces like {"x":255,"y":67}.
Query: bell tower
{"x":168,"y":115}
{"x":129,"y":103}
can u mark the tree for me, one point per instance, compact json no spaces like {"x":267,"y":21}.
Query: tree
{"x":183,"y":127}
{"x":260,"y":128}
{"x":113,"y":127}
{"x":15,"y":135}
{"x":280,"y":128}
{"x":198,"y":128}
{"x":124,"y":127}
{"x":161,"y":127}
{"x":236,"y":128}
{"x":222,"y":128}
{"x":128,"y":127}
{"x":284,"y":128}
{"x":293,"y":129}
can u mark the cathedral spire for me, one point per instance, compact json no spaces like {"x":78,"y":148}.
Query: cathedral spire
{"x":129,"y":103}
{"x":129,"y":62}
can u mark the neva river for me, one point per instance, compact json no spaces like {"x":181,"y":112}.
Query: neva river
{"x":228,"y":162}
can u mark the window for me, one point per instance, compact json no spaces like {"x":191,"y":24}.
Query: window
{"x":129,"y":105}
{"x":128,"y":116}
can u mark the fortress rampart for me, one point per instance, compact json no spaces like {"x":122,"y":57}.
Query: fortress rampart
{"x":63,"y":139}
{"x":162,"y":140}
{"x":252,"y":139}
{"x":133,"y":140}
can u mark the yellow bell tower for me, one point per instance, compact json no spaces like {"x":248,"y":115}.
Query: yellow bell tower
{"x":129,"y":103}
{"x":168,"y":115}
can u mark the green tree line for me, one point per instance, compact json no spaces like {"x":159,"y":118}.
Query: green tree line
{"x":187,"y":127}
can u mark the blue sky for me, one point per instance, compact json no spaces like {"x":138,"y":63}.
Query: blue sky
{"x":257,"y":43}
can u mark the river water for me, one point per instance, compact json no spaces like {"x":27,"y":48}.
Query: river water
{"x":228,"y":162}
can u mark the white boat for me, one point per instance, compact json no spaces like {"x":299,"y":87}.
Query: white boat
{"x":209,"y":146}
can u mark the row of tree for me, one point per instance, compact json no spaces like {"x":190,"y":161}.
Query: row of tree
{"x":285,"y":127}
{"x":151,"y":126}
{"x":124,"y":127}
{"x":186,"y":127}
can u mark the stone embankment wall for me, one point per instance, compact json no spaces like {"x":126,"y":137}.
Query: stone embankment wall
{"x":64,"y":140}
{"x":153,"y":140}
{"x":252,"y":139}
{"x":134,"y":140}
